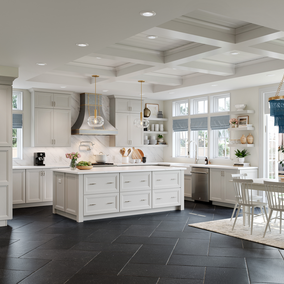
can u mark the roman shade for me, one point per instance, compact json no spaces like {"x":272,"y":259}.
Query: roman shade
{"x":219,"y":122}
{"x":17,"y":120}
{"x":199,"y":123}
{"x":180,"y":125}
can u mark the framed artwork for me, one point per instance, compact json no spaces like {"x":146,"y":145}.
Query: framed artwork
{"x":243,"y":120}
{"x":154,"y":108}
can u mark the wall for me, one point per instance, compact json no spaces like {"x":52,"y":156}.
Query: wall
{"x":56,"y":155}
{"x":248,"y":96}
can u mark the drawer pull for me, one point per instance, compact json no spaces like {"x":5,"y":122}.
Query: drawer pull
{"x":110,"y":203}
{"x":158,"y":179}
{"x":173,"y":179}
{"x":173,"y":197}
{"x":127,"y":181}
{"x":127,"y":201}
{"x":92,"y":204}
{"x":159,"y":198}
{"x":92,"y":183}
{"x":111,"y":182}
{"x":143,"y":180}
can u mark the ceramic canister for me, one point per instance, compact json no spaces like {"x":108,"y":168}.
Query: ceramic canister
{"x":243,"y":139}
{"x":250,"y":139}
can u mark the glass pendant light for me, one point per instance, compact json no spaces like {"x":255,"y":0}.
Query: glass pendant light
{"x":95,"y":121}
{"x":277,"y":108}
{"x":141,"y":122}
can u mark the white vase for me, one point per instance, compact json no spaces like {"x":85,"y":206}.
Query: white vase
{"x":241,"y":160}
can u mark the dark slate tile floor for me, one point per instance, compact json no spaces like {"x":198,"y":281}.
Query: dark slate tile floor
{"x":39,"y":247}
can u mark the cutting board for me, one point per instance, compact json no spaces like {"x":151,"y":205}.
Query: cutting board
{"x":137,"y":154}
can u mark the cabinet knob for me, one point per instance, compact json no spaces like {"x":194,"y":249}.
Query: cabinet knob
{"x":143,"y":199}
{"x":110,"y":203}
{"x":126,"y":201}
{"x":127,"y":181}
{"x":92,"y":183}
{"x":143,"y":180}
{"x":110,"y":182}
{"x":158,"y":179}
{"x":173,"y":197}
{"x":93,"y":204}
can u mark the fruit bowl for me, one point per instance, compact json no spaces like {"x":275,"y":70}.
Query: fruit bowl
{"x":84,"y":167}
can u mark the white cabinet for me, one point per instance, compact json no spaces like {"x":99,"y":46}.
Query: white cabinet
{"x":139,"y":200}
{"x":187,"y":186}
{"x":38,"y":185}
{"x":170,"y":179}
{"x":123,"y":112}
{"x":51,"y":119}
{"x":19,"y":186}
{"x":166,"y":197}
{"x":135,"y":181}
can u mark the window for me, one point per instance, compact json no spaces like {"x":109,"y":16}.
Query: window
{"x":220,"y":103}
{"x":199,"y":138}
{"x":180,"y":108}
{"x":220,"y":143}
{"x":180,"y":137}
{"x":199,"y":105}
{"x":17,"y":131}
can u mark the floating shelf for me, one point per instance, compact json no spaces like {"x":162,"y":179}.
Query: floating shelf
{"x":155,"y":132}
{"x":241,"y":145}
{"x":242,"y":111}
{"x":156,"y":119}
{"x":155,"y":146}
{"x":241,"y":128}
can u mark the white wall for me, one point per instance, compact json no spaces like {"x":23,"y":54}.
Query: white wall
{"x":56,"y":155}
{"x":248,"y":96}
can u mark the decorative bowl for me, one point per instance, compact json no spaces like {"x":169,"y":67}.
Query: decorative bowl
{"x":240,"y":107}
{"x":84,"y":167}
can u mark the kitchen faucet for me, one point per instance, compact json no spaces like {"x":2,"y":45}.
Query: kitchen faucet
{"x":195,"y":154}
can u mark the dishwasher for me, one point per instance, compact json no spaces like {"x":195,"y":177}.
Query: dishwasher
{"x":200,"y":184}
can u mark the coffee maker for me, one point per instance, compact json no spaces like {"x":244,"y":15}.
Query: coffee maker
{"x":39,"y":159}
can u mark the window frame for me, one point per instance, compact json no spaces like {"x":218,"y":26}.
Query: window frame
{"x":175,"y":105}
{"x":194,"y":105}
{"x":214,"y":148}
{"x":194,"y":137}
{"x":214,"y":103}
{"x":175,"y":145}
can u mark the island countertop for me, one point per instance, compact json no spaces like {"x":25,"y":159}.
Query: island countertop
{"x":101,"y":170}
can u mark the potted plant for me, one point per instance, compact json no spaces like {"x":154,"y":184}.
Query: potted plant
{"x":160,"y":138}
{"x":241,"y":155}
{"x":233,"y":122}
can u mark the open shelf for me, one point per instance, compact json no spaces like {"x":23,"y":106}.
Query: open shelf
{"x":156,"y":132}
{"x":155,"y":146}
{"x":156,"y":119}
{"x":241,"y":145}
{"x":241,"y":128}
{"x":245,"y":111}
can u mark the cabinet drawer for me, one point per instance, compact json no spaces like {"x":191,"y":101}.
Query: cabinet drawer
{"x":100,"y":204}
{"x":167,"y":197}
{"x":102,"y":183}
{"x":135,"y":181}
{"x":168,"y":179}
{"x":130,"y":201}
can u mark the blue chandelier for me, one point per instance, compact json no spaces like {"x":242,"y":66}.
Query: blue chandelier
{"x":277,"y":108}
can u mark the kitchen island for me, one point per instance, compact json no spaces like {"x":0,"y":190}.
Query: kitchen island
{"x":107,"y":192}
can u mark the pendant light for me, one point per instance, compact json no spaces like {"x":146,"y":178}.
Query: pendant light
{"x":95,"y":121}
{"x":141,"y":122}
{"x":277,"y":108}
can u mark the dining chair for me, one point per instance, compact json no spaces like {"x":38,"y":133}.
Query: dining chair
{"x":275,"y":197}
{"x":247,"y":199}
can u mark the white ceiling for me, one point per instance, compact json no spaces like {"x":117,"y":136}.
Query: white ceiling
{"x":192,"y":51}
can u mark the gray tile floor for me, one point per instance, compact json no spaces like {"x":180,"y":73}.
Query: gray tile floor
{"x":39,"y":247}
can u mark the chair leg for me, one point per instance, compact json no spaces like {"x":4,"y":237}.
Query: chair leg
{"x":266,"y":217}
{"x":236,"y":205}
{"x":270,"y":214}
{"x":262,"y":214}
{"x":236,"y":218}
{"x":276,"y":217}
{"x":280,"y":221}
{"x":252,"y":214}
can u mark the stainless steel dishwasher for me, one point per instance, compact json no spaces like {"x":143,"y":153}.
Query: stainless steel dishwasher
{"x":200,"y":184}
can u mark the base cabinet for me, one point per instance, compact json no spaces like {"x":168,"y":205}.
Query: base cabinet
{"x":19,"y":186}
{"x":187,"y":186}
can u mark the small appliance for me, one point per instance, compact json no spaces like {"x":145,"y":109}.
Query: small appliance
{"x":39,"y":159}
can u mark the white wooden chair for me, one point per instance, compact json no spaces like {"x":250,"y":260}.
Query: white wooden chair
{"x":246,"y":198}
{"x":275,"y":197}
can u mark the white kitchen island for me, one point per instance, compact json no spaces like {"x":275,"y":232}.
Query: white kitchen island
{"x":107,"y":192}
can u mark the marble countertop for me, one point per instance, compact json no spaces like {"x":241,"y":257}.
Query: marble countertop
{"x":99,"y":170}
{"x":39,"y":167}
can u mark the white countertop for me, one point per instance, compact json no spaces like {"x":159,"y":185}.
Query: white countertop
{"x":100,"y":170}
{"x":210,"y":166}
{"x":39,"y":167}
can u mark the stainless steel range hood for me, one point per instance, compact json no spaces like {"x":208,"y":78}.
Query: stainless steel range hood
{"x":88,"y":103}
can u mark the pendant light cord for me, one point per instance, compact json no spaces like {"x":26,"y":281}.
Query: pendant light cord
{"x":279,"y":87}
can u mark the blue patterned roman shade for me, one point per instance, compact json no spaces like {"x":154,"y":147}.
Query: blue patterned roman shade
{"x":180,"y":125}
{"x":219,"y":122}
{"x":199,"y":123}
{"x":17,"y":120}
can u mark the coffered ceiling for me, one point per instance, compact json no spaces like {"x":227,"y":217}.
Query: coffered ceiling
{"x":200,"y":46}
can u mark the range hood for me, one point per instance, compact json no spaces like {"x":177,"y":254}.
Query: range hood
{"x":88,"y":103}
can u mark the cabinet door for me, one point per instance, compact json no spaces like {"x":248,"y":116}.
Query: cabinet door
{"x":62,"y":101}
{"x":19,"y":187}
{"x":46,"y":185}
{"x":43,"y":123}
{"x":5,"y":116}
{"x":129,"y":106}
{"x":187,"y":186}
{"x":229,"y":192}
{"x":134,"y":133}
{"x":43,"y":99}
{"x":121,"y":139}
{"x":59,"y":191}
{"x":216,"y":185}
{"x":62,"y":127}
{"x":33,"y":186}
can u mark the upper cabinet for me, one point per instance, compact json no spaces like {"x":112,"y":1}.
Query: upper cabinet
{"x":127,"y":105}
{"x":51,"y":119}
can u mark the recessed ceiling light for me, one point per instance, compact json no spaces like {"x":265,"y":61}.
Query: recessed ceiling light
{"x":235,"y":53}
{"x":148,"y":13}
{"x":105,"y":91}
{"x":82,"y":44}
{"x":270,"y":75}
{"x":41,"y":64}
{"x":62,"y":87}
{"x":214,"y":85}
{"x":151,"y":37}
{"x":98,"y":57}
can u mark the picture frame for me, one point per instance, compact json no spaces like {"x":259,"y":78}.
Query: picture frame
{"x":154,"y":108}
{"x":243,"y":120}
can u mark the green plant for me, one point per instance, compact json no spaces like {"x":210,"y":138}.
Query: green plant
{"x":160,"y":136}
{"x":241,"y":154}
